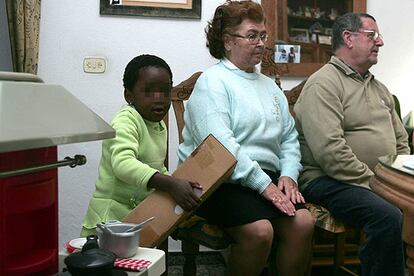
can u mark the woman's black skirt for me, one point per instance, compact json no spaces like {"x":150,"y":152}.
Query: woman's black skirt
{"x":233,"y":205}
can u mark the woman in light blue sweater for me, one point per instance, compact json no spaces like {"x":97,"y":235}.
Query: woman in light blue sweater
{"x":249,"y":114}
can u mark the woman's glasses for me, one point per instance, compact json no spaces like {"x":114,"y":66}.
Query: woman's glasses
{"x":253,"y":38}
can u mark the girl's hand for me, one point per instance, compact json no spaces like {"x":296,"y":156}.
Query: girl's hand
{"x":181,"y":190}
{"x":183,"y":193}
{"x":280,"y":200}
{"x":290,"y":188}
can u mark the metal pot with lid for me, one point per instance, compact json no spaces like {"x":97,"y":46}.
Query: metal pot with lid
{"x":120,"y":238}
{"x":91,"y":260}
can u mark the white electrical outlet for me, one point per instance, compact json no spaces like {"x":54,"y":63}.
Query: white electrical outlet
{"x":95,"y":65}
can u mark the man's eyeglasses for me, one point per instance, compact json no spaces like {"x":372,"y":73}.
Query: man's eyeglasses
{"x":371,"y":34}
{"x":254,"y":37}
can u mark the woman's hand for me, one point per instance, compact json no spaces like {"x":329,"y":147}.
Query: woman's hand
{"x":290,"y":188}
{"x":280,"y":200}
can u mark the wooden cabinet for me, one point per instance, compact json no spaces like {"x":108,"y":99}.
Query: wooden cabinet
{"x":306,"y":23}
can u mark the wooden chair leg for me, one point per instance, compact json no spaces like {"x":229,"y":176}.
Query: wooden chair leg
{"x":164,"y":247}
{"x":190,"y":251}
{"x":339,"y":254}
{"x":308,"y":270}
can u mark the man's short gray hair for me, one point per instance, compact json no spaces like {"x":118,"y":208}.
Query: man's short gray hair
{"x":347,"y":22}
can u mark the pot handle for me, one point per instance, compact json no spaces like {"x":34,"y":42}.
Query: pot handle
{"x":91,"y":243}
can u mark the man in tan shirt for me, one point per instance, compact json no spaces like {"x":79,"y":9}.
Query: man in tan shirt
{"x":346,"y":120}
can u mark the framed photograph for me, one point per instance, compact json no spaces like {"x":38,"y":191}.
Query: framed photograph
{"x":328,"y":31}
{"x":157,"y":8}
{"x":325,"y":39}
{"x":287,"y":53}
{"x":299,"y":35}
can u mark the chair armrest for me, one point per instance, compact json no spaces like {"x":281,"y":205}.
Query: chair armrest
{"x":324,"y":219}
{"x":410,"y":132}
{"x":199,"y":231}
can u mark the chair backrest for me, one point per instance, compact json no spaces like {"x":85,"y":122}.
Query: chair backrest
{"x":292,"y":95}
{"x":179,"y":94}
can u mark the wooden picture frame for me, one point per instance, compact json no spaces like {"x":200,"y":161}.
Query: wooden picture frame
{"x":167,"y":8}
{"x":299,"y":35}
{"x":325,"y":39}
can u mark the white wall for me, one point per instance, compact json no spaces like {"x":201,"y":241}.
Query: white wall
{"x":395,"y":67}
{"x":72,"y":30}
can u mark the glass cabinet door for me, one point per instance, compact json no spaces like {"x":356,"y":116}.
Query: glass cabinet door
{"x":300,"y":34}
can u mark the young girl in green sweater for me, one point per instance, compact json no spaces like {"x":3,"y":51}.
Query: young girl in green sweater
{"x":132,"y":163}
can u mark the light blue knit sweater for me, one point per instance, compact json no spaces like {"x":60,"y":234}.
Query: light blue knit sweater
{"x":249,"y":115}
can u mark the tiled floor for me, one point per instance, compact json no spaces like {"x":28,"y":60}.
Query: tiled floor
{"x":212,"y":264}
{"x":208,"y":264}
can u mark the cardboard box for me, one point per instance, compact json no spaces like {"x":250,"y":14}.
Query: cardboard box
{"x":210,"y":164}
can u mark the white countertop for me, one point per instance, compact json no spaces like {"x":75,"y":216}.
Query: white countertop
{"x":157,"y":258}
{"x":35,"y":115}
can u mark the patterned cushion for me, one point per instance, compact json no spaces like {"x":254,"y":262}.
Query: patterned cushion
{"x":199,"y":231}
{"x":324,"y":219}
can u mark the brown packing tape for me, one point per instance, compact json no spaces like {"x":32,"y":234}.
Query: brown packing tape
{"x":210,"y":164}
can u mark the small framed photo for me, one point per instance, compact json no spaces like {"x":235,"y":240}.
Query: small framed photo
{"x":287,"y":53}
{"x":325,"y":39}
{"x":299,"y":35}
{"x":328,"y":31}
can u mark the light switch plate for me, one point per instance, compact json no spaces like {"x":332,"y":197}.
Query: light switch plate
{"x":95,"y":65}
